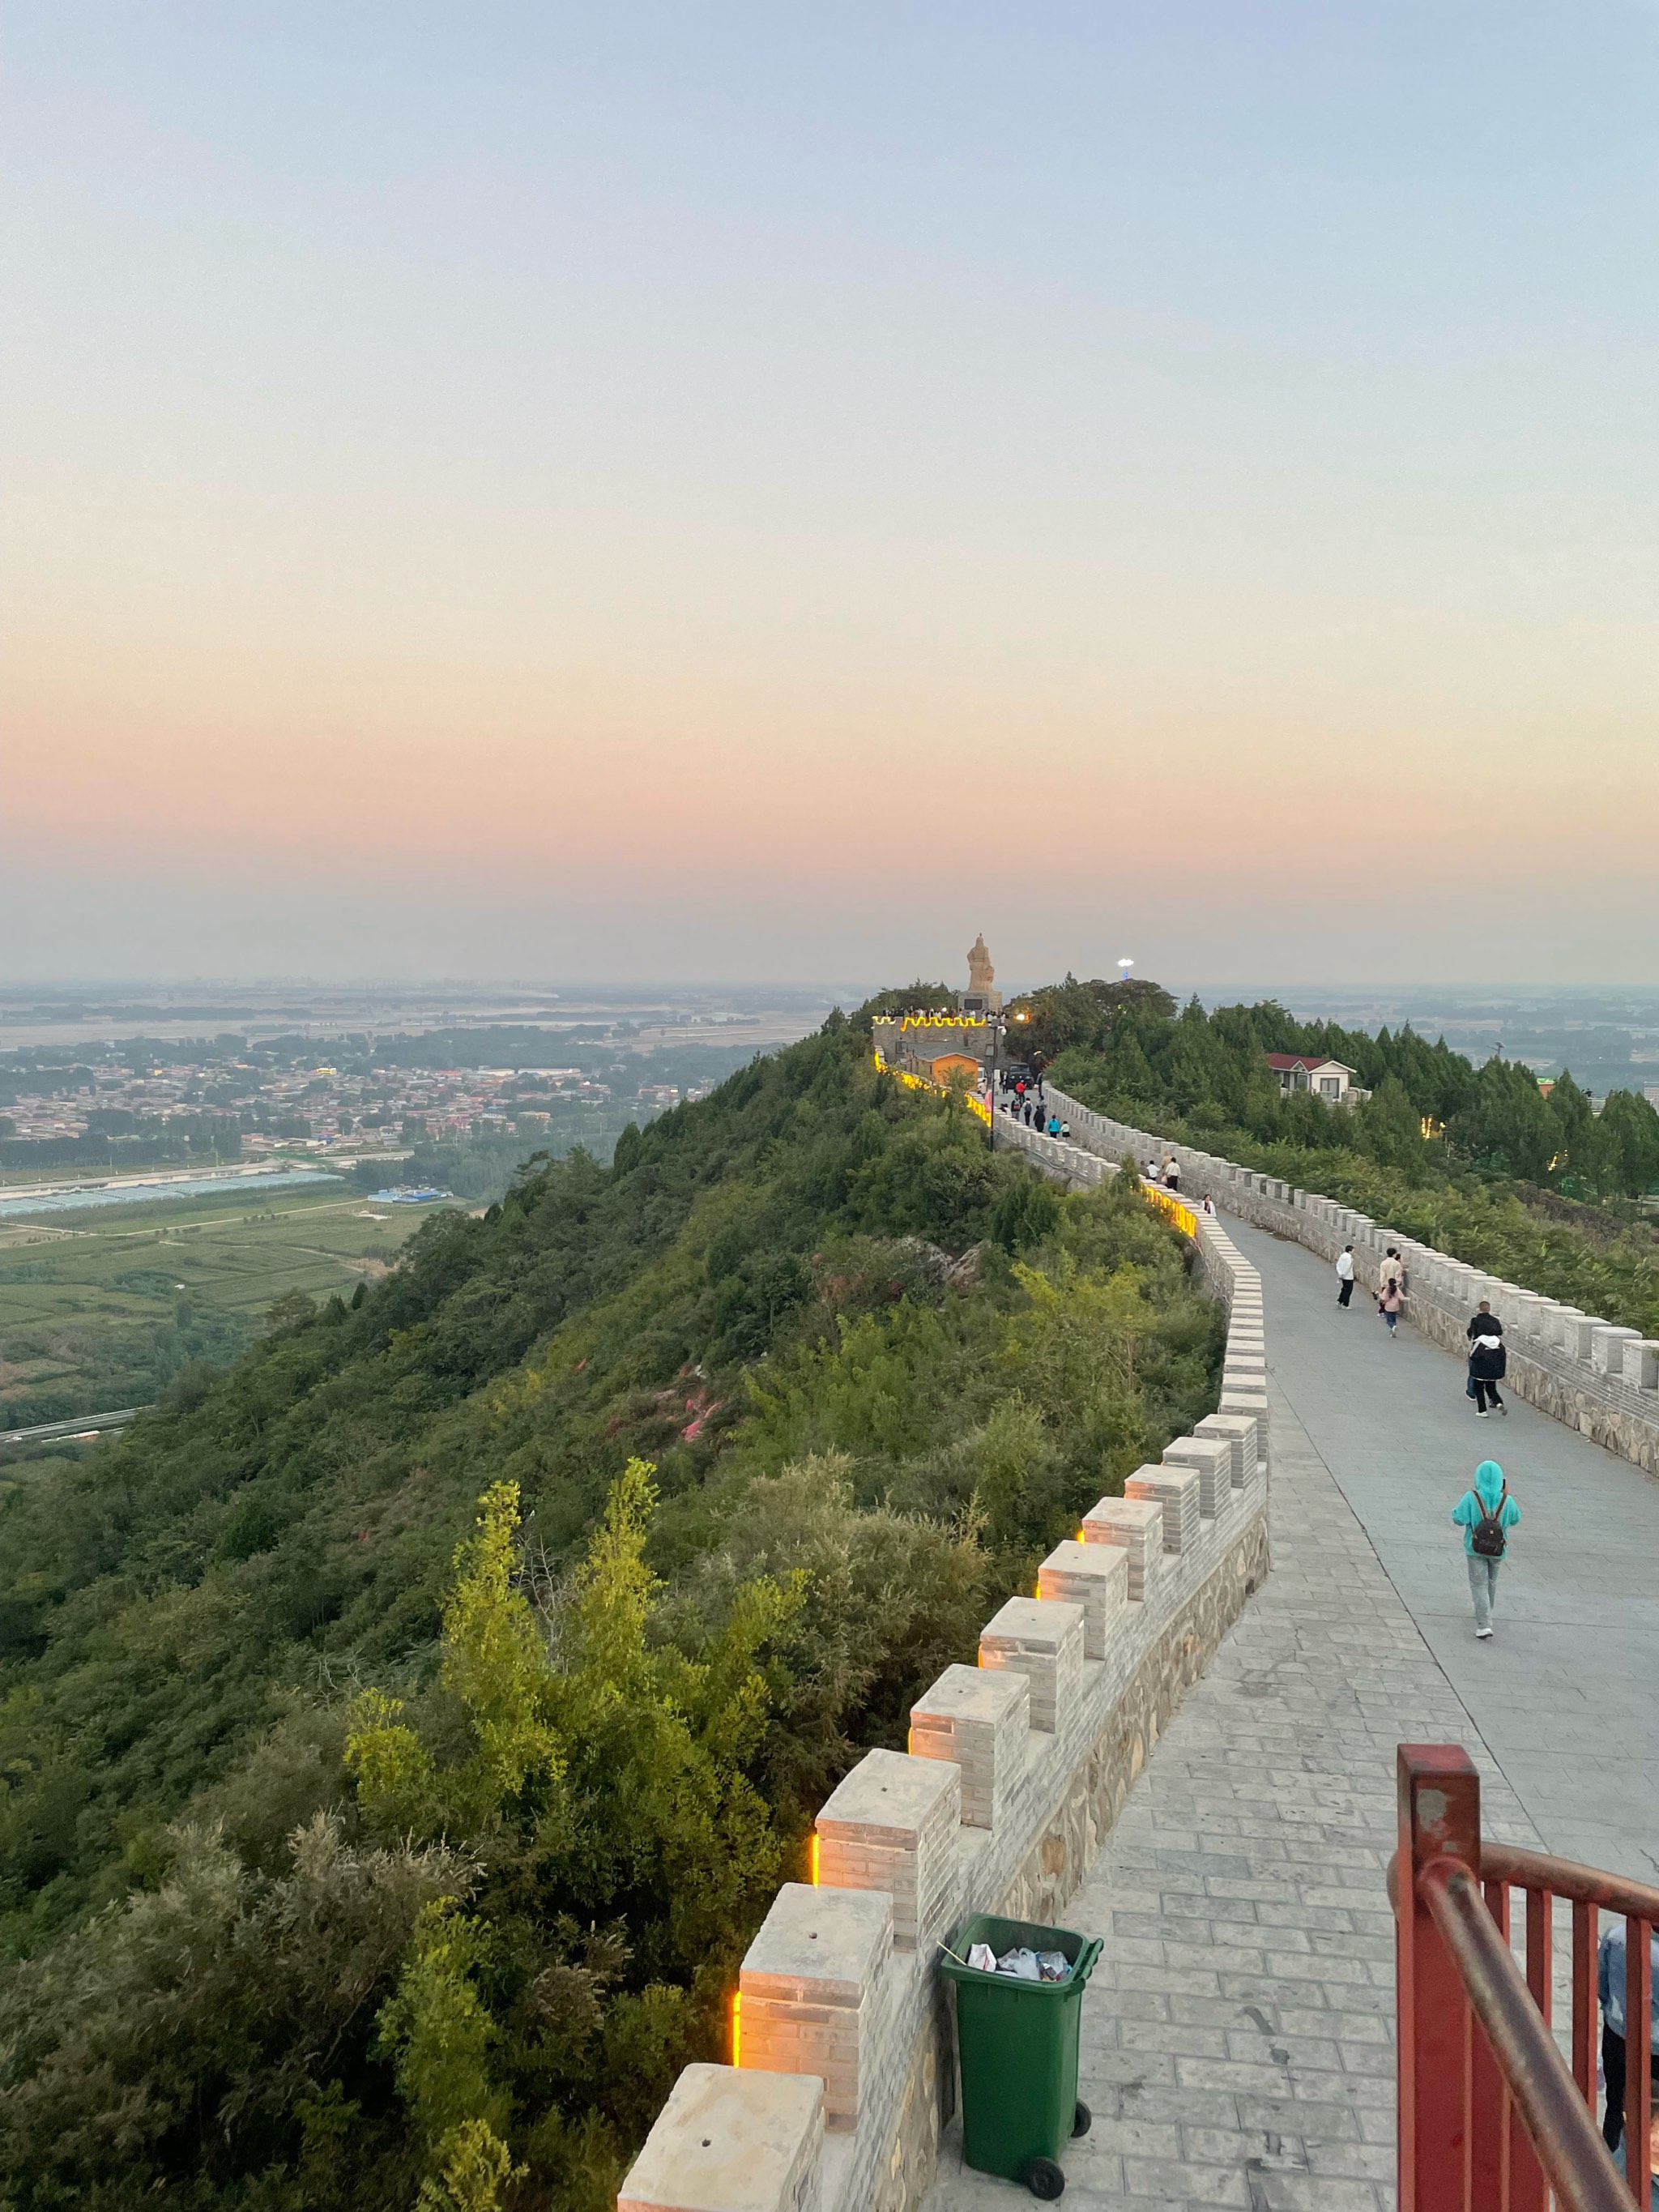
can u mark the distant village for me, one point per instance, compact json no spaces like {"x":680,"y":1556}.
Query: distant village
{"x":240,"y":1108}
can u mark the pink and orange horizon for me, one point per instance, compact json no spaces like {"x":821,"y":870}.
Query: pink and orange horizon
{"x":769,"y":497}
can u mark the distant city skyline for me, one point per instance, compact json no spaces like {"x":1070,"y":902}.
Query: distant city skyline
{"x":661,"y":494}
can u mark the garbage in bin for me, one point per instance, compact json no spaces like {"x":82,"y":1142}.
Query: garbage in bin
{"x":1017,"y":2042}
{"x":1025,"y":1964}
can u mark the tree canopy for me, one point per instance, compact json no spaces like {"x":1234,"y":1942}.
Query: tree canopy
{"x":403,"y":1732}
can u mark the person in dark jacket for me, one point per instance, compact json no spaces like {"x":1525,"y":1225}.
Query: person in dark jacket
{"x":1487,"y":1361}
{"x":1610,"y":1987}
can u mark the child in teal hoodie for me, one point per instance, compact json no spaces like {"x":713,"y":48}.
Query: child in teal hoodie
{"x":1490,"y":1497}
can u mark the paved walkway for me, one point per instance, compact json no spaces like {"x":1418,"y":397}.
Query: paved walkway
{"x":1565,"y":1693}
{"x":1238,"y":2033}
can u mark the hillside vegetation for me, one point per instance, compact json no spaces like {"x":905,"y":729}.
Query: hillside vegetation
{"x":1478,"y":1162}
{"x":403,"y":1732}
{"x":109,"y":1304}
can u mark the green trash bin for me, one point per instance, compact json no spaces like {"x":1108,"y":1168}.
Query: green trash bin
{"x":1016,"y":2041}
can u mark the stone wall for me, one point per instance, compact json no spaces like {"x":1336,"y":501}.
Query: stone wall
{"x":1598,"y":1378}
{"x":844,"y":2070}
{"x":1078,"y":1165}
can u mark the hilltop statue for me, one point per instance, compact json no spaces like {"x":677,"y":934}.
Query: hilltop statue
{"x":982,"y":996}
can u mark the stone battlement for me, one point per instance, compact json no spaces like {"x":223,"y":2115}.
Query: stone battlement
{"x":1595,"y":1376}
{"x":844,"y":2070}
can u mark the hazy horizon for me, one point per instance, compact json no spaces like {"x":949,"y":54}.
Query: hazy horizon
{"x":571,"y":992}
{"x":666,"y":493}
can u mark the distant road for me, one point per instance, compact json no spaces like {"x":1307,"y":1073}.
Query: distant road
{"x":82,"y":1424}
{"x":158,"y":1178}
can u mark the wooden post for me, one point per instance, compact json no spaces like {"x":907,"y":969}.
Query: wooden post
{"x":1529,"y":2190}
{"x":1492,"y":2126}
{"x":1639,"y":2062}
{"x":1439,"y":1811}
{"x":1584,"y":1934}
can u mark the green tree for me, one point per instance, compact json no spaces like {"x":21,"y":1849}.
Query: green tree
{"x":613,"y":1781}
{"x":1390,"y":1129}
{"x":1507,"y":1125}
{"x":1577,"y":1154}
{"x":185,"y":2041}
{"x":1068,"y":1016}
{"x":439,"y":2031}
{"x":1629,"y":1130}
{"x":496,"y":1664}
{"x":917,"y":998}
{"x":1026,"y":1212}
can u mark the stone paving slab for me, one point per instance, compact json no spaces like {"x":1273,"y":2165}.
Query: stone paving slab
{"x":1238,"y":2033}
{"x":1238,"y":2036}
{"x":1564,"y":1692}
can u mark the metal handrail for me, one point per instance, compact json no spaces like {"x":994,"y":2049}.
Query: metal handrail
{"x":1491,"y":2116}
{"x":1586,"y":1885}
{"x":1563,"y":2134}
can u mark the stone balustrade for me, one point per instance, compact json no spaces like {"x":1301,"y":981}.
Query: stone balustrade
{"x":1600,"y":1379}
{"x":844,"y":2067}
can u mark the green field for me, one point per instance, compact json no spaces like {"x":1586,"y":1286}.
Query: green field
{"x":102,"y":1308}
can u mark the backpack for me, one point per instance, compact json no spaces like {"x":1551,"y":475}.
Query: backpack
{"x":1487,"y":1539}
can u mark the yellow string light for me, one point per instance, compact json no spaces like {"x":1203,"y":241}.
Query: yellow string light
{"x":976,"y":1105}
{"x":1166,"y":1202}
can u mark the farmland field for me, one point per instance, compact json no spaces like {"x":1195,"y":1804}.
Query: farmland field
{"x":102,"y":1308}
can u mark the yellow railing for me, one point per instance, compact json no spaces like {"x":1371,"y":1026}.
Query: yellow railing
{"x":975,"y":1103}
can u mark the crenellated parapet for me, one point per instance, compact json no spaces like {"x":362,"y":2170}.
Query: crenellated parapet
{"x":844,"y":2069}
{"x":1596,"y":1376}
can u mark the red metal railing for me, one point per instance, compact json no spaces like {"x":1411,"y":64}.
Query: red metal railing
{"x":1491,"y":2116}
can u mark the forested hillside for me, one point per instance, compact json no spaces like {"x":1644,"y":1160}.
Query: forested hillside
{"x":402,"y":1732}
{"x":1478,"y":1162}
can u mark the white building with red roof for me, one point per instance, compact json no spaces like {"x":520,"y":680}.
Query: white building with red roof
{"x":1311,"y":1070}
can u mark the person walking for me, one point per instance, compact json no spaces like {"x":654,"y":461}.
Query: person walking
{"x":1611,"y":1987}
{"x":1172,"y":1174}
{"x":1487,"y":1361}
{"x":1344,"y":1275}
{"x":1053,"y":1125}
{"x":1389,"y":1300}
{"x":1486,"y":1515}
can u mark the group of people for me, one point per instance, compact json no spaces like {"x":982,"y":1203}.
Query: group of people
{"x":1391,"y":1284}
{"x":1485,"y":1514}
{"x":1487,"y":1360}
{"x":1023,"y":1099}
{"x":1030,"y":1111}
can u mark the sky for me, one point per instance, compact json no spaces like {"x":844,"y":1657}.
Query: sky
{"x":709,"y":491}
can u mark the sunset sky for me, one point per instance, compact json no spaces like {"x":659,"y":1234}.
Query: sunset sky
{"x":698,"y":491}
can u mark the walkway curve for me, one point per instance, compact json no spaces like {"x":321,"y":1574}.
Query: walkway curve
{"x":1565,"y":1693}
{"x":1238,"y":2038}
{"x":1238,"y":2034}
